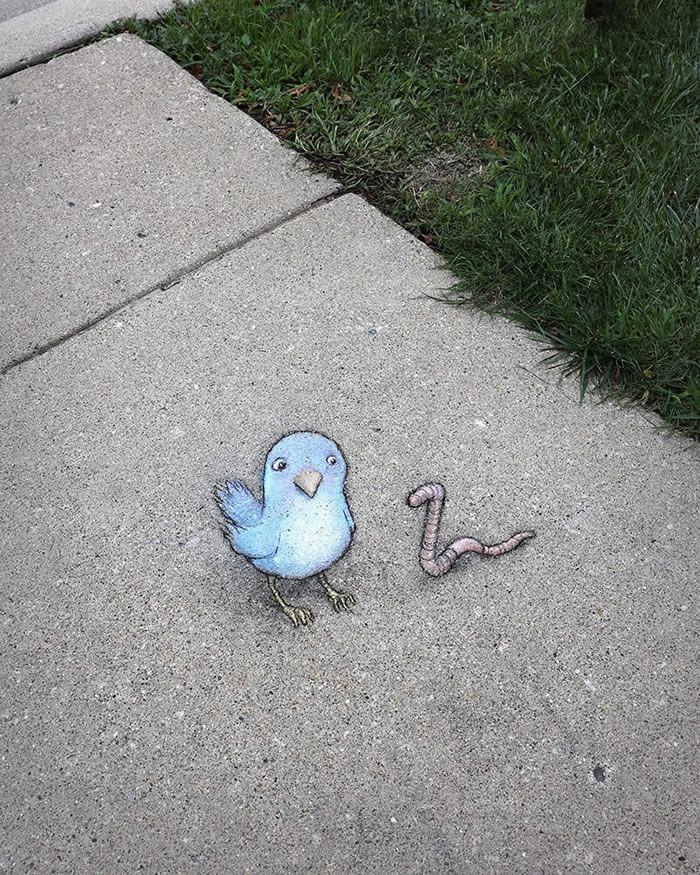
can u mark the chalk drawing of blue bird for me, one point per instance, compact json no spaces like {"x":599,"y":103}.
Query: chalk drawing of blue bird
{"x":303,"y":524}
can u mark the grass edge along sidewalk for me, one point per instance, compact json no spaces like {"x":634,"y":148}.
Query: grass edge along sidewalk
{"x":551,"y":161}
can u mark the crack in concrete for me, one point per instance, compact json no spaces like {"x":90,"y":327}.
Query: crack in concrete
{"x":171,"y":280}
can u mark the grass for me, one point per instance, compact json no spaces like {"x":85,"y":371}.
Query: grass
{"x":554,"y":163}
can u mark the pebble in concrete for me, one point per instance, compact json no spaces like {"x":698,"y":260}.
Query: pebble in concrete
{"x":121,"y":171}
{"x":528,"y":713}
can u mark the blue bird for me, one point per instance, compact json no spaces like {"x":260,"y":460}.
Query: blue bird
{"x":303,"y":524}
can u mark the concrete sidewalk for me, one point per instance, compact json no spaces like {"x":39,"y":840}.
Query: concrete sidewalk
{"x":531,"y":713}
{"x":129,"y":174}
{"x":31,"y":31}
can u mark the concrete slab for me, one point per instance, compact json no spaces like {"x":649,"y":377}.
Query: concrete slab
{"x":120,"y":172}
{"x":13,"y":8}
{"x":33,"y":30}
{"x":531,"y":713}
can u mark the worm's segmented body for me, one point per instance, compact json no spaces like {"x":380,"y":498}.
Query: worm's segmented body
{"x":437,"y":565}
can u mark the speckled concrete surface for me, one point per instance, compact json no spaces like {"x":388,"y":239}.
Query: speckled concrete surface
{"x":33,"y":30}
{"x":13,"y":8}
{"x":119,"y":171}
{"x":531,"y":713}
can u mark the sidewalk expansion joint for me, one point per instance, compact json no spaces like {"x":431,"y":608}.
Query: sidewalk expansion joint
{"x":43,"y":58}
{"x":172,"y":280}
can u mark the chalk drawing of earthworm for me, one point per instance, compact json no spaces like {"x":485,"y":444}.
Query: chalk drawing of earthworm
{"x":436,"y":565}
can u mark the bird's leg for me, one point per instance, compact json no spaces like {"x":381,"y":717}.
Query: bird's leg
{"x":339,"y":598}
{"x":296,"y":615}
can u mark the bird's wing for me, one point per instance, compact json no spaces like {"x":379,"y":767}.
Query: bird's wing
{"x":238,"y":504}
{"x":255,"y":542}
{"x":348,"y":516}
{"x":248,"y":533}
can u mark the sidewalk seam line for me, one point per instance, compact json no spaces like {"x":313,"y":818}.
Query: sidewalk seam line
{"x":46,"y":57}
{"x":172,"y":279}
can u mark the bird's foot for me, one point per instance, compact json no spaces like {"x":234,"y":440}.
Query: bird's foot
{"x":303,"y":616}
{"x":339,"y":598}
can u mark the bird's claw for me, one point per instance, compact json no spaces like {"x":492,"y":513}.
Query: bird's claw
{"x":342,"y":600}
{"x":304,"y":616}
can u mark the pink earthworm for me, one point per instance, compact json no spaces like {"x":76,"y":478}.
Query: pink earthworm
{"x":434,"y":565}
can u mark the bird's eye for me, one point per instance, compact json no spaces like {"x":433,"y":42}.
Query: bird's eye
{"x":331,"y":460}
{"x":279,"y":465}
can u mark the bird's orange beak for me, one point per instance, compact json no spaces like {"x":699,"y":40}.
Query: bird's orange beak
{"x":308,"y":481}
